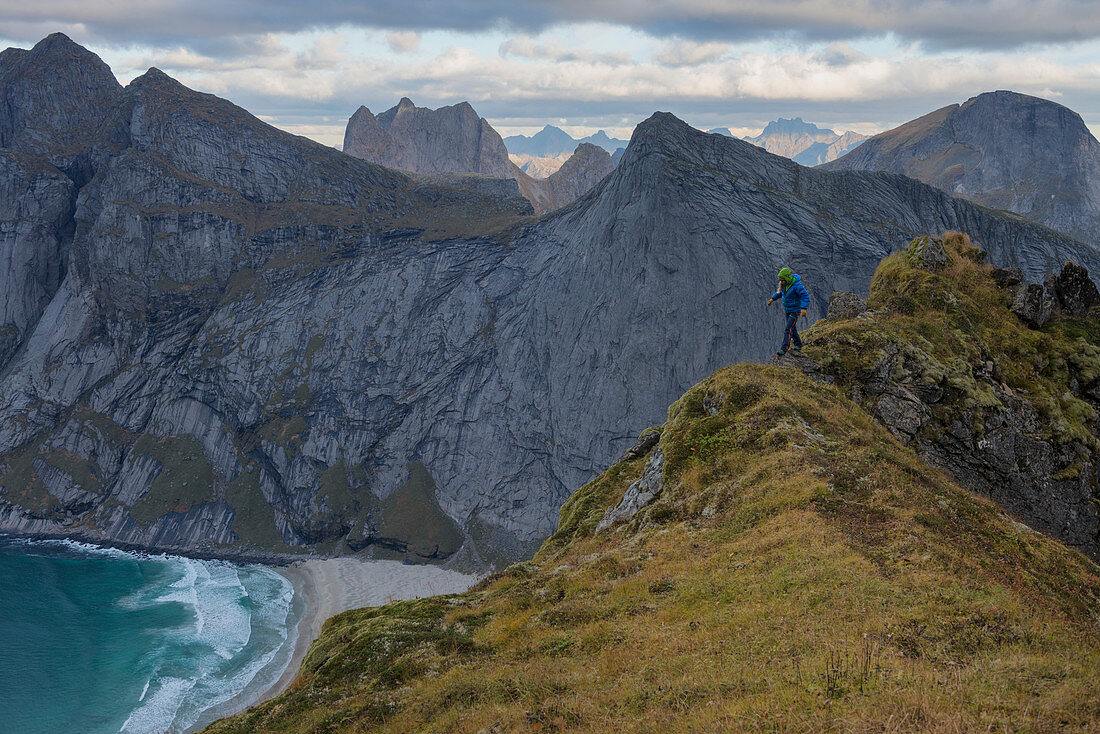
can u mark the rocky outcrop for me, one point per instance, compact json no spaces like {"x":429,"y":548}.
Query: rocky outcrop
{"x":1032,"y":304}
{"x":454,"y":140}
{"x":1072,"y":291}
{"x":637,"y":495}
{"x":1006,"y":150}
{"x":1035,"y":450}
{"x":845,"y":305}
{"x":255,"y":338}
{"x":450,"y":139}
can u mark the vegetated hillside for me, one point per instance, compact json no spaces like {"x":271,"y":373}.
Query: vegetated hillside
{"x":771,"y":558}
{"x":1009,"y":410}
{"x":230,"y":339}
{"x":1001,"y":149}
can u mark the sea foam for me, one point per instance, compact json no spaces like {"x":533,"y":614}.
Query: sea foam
{"x":233,"y":621}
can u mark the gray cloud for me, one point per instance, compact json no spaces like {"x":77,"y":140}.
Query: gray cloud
{"x":939,"y":23}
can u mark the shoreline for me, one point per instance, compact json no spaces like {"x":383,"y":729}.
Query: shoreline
{"x":325,"y":587}
{"x":330,"y":586}
{"x":322,"y":588}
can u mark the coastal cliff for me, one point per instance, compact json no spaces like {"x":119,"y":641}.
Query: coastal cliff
{"x":226,"y":338}
{"x":770,"y":557}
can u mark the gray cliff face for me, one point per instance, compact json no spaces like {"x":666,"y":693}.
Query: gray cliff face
{"x":1001,"y":149}
{"x":260,"y":342}
{"x":48,"y":122}
{"x":447,"y":140}
{"x":453,"y":140}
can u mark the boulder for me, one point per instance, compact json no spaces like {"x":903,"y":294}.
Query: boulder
{"x":1032,"y":304}
{"x":845,"y":305}
{"x":926,"y":252}
{"x":1072,"y":291}
{"x":1007,"y":277}
{"x":643,"y":445}
{"x":639,"y":494}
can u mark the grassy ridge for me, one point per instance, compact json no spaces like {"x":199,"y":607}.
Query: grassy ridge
{"x":941,"y":325}
{"x":800,"y":570}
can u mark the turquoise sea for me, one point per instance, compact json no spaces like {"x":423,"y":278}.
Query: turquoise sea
{"x":101,"y":640}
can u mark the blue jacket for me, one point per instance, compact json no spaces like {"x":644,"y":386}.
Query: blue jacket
{"x":795,"y":296}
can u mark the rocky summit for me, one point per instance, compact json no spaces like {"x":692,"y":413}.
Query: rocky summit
{"x":226,"y":338}
{"x":1002,"y":149}
{"x":455,"y":140}
{"x":450,"y":139}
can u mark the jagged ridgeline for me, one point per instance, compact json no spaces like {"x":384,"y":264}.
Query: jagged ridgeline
{"x":218,"y":336}
{"x":771,"y":558}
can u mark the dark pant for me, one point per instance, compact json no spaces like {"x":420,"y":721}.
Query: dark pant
{"x":790,"y":334}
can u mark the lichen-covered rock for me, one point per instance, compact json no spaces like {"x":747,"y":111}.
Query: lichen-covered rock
{"x":1007,"y":277}
{"x":845,"y":305}
{"x":643,"y":445}
{"x":1072,"y":291}
{"x":926,"y":252}
{"x":1033,"y":304}
{"x":637,"y":495}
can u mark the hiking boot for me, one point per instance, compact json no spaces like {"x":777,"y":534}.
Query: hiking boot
{"x":781,"y":353}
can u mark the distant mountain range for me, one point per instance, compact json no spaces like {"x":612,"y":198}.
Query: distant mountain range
{"x":551,"y":141}
{"x":1002,"y":149}
{"x":803,"y":142}
{"x":455,"y":141}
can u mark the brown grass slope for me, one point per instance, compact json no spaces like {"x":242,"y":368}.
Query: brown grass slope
{"x":801,"y":570}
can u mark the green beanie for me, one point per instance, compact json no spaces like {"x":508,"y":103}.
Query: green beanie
{"x":785,"y":275}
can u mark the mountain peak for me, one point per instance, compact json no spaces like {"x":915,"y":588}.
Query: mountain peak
{"x":55,"y":94}
{"x":59,"y":41}
{"x":982,"y":149}
{"x":657,"y":125}
{"x":154,"y":78}
{"x":793,"y":126}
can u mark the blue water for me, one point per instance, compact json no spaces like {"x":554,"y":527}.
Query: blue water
{"x":99,"y":640}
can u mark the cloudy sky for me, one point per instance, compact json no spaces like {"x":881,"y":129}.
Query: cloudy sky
{"x":864,"y":65}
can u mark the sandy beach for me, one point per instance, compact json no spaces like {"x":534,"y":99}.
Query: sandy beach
{"x":333,"y":585}
{"x":326,"y":587}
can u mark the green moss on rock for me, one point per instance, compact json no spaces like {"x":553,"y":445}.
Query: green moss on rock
{"x":412,"y":516}
{"x":185,"y":479}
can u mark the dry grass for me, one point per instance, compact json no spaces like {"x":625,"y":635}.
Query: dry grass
{"x":800,"y":571}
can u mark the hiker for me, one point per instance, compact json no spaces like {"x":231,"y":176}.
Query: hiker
{"x":795,"y":302}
